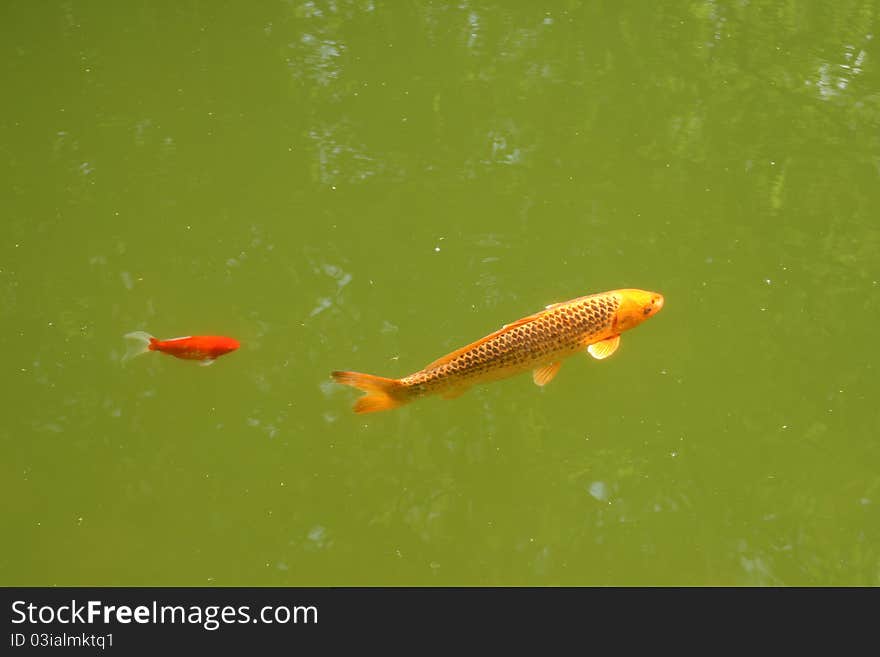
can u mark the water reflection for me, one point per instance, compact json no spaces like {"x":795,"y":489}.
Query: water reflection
{"x":339,"y":159}
{"x":834,"y":78}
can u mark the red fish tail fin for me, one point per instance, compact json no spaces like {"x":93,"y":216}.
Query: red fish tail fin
{"x":382,"y":394}
{"x":140,"y":342}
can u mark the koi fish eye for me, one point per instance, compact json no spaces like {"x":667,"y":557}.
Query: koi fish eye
{"x":654,"y":304}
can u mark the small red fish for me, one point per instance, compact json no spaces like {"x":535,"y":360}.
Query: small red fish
{"x":203,"y":348}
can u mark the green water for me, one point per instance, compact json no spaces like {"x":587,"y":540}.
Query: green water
{"x":368,"y":185}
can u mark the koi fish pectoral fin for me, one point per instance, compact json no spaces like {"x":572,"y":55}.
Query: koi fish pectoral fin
{"x":605,"y":348}
{"x":207,"y":361}
{"x":544,"y":375}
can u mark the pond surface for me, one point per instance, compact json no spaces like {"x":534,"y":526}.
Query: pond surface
{"x":369,"y":185}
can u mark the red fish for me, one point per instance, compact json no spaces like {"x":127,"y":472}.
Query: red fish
{"x":203,"y":348}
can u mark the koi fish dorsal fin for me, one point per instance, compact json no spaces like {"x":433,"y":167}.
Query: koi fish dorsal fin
{"x":544,"y":375}
{"x":458,"y":352}
{"x":605,"y":348}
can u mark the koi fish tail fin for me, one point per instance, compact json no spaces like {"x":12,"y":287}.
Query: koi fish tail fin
{"x":382,"y":394}
{"x":140,"y":342}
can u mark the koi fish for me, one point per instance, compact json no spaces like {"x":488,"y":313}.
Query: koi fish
{"x":538,"y":343}
{"x":203,"y":348}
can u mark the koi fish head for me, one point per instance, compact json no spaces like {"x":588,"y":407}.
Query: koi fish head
{"x":636,"y":306}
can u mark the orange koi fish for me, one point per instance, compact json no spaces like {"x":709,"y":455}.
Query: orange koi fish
{"x":538,"y":342}
{"x":203,"y":348}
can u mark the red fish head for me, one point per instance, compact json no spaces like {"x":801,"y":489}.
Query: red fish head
{"x":636,"y":306}
{"x":223,"y":345}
